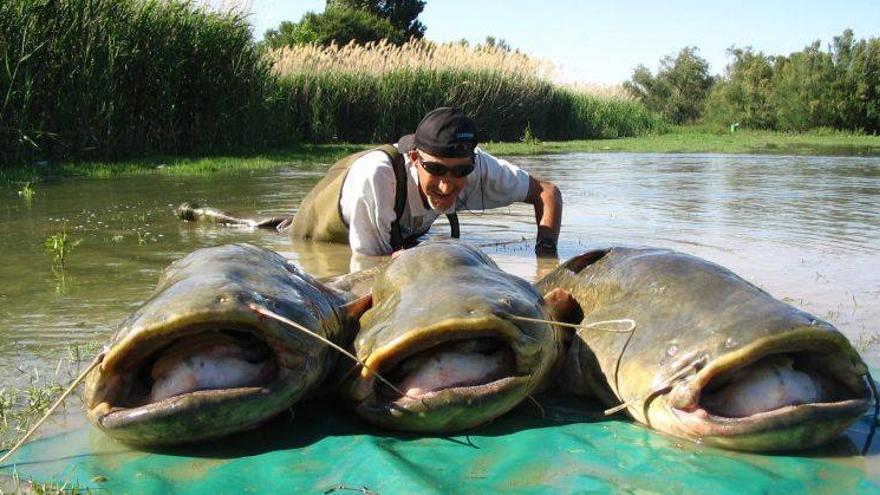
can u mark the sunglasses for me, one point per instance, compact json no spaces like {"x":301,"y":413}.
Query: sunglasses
{"x":439,"y":170}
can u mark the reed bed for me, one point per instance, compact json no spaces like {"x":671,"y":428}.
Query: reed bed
{"x":112,"y":78}
{"x":379,"y":91}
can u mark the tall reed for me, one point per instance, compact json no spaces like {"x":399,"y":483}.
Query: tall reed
{"x":377,"y":92}
{"x":109,"y":78}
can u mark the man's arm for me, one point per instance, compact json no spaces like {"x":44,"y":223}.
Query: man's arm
{"x":547,"y":200}
{"x":367,"y":204}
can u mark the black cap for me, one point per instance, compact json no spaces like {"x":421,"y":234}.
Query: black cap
{"x":446,"y":132}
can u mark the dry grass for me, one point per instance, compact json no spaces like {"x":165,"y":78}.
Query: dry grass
{"x":382,"y":57}
{"x":597,"y":90}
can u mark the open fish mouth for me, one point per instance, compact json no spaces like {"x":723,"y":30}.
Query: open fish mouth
{"x":440,"y":367}
{"x":467,"y":367}
{"x":778,"y":383}
{"x":189,"y":369}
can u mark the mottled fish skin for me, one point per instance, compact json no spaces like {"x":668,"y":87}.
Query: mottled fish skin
{"x":712,"y":358}
{"x":206,"y":297}
{"x":436,"y":307}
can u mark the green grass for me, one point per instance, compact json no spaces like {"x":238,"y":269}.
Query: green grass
{"x":15,"y":485}
{"x":21,"y":407}
{"x":701,"y":140}
{"x":298,"y":156}
{"x":680,"y":140}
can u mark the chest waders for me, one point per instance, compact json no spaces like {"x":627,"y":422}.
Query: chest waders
{"x":319,"y":217}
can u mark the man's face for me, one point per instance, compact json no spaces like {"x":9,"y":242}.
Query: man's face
{"x":441,"y":191}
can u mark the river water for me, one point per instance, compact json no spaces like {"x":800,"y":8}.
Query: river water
{"x":806,"y":229}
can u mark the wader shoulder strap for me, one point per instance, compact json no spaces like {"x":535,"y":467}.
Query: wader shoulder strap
{"x":399,"y":199}
{"x":453,"y":225}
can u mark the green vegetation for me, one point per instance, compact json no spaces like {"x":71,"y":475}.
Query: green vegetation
{"x":358,"y":21}
{"x":692,"y":139}
{"x":303,"y":156}
{"x":96,"y":80}
{"x":338,"y":25}
{"x":60,"y":246}
{"x":679,"y":90}
{"x":27,"y":191}
{"x":16,"y":485}
{"x":92,"y":81}
{"x":838,"y":88}
{"x":113,"y":78}
{"x":701,"y":139}
{"x":378,"y":92}
{"x":21,"y":407}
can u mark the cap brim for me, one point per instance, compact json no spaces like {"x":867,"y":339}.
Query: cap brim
{"x":406,"y":143}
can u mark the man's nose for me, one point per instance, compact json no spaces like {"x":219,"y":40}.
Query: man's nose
{"x":445,"y":186}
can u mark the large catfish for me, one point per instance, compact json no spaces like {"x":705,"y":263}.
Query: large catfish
{"x":711,"y":358}
{"x":196,"y":362}
{"x":440,"y":330}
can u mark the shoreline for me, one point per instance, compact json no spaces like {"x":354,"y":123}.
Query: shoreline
{"x":684,"y":140}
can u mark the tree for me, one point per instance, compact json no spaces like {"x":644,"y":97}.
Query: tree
{"x":803,"y":86}
{"x":744,"y":95}
{"x":679,"y":90}
{"x":336,"y":24}
{"x":402,"y":14}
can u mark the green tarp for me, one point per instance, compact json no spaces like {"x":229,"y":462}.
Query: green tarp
{"x":571,"y":449}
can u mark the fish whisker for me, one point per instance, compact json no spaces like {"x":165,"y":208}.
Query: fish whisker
{"x":275,"y":316}
{"x":590,"y":326}
{"x":696,"y":364}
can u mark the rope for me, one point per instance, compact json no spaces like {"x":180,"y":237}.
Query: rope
{"x":876,"y":413}
{"x":594,"y":325}
{"x":98,"y":359}
{"x":267,"y":313}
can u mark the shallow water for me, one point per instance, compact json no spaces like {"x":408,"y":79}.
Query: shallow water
{"x":806,"y":229}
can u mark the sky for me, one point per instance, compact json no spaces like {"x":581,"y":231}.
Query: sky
{"x":603,"y":42}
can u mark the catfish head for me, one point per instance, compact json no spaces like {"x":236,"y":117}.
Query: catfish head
{"x":440,"y":332}
{"x":712,"y":357}
{"x":195,"y":362}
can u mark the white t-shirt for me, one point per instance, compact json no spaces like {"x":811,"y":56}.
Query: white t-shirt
{"x":367,"y":200}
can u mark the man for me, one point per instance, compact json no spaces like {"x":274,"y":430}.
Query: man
{"x":382,"y":200}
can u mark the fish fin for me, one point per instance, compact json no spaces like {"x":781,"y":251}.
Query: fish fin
{"x":358,"y":307}
{"x":561,"y":305}
{"x":584,"y":260}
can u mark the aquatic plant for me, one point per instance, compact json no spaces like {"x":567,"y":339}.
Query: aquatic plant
{"x":27,"y":191}
{"x":60,"y":246}
{"x":528,"y":136}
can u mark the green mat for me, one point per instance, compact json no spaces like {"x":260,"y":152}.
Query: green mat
{"x":572,"y":449}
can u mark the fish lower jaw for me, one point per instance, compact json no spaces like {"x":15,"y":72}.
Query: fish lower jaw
{"x":447,"y":410}
{"x":703,"y":423}
{"x":787,"y":428}
{"x":467,"y":394}
{"x":109,"y":416}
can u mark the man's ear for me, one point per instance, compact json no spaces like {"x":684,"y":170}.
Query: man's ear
{"x":355,"y":309}
{"x":561,"y":305}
